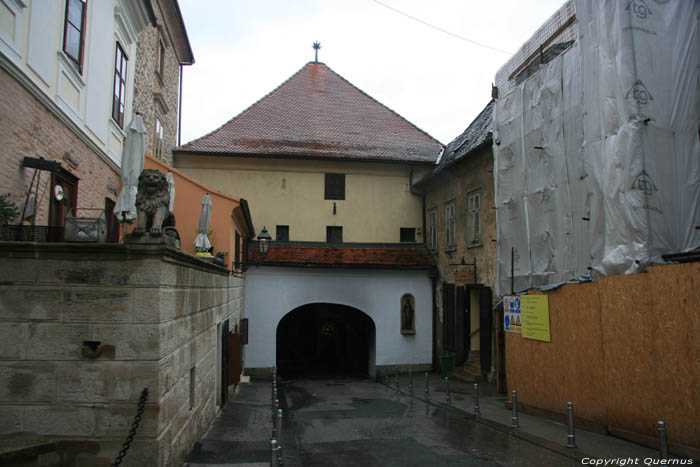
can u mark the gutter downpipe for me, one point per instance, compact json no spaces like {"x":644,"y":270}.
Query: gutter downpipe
{"x":179,"y":111}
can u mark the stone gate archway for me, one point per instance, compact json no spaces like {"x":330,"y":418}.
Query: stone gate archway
{"x":326,"y":340}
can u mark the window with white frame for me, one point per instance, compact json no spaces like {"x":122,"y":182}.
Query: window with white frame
{"x":74,"y":31}
{"x":158,"y":141}
{"x":119,"y":97}
{"x":474,"y":218}
{"x":450,"y":226}
{"x":433,"y":235}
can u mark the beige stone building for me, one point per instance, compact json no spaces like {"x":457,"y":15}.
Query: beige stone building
{"x":93,"y":332}
{"x":328,"y":171}
{"x":73,"y":74}
{"x":461,"y":233}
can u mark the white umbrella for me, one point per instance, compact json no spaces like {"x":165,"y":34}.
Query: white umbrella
{"x":171,"y":183}
{"x":132,"y":166}
{"x":201,"y":243}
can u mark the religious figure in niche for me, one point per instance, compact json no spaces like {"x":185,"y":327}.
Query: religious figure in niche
{"x":408,"y":325}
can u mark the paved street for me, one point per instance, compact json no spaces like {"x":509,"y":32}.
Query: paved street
{"x":360,"y":422}
{"x":345,"y":423}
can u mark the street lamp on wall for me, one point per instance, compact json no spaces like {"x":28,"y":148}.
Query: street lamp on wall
{"x":264,"y":239}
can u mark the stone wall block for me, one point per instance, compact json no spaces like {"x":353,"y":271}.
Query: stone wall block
{"x":166,"y":367}
{"x":114,"y":420}
{"x":62,"y":420}
{"x":14,"y":341}
{"x":184,"y":276}
{"x":11,"y":420}
{"x":151,"y":303}
{"x":96,"y":304}
{"x":186,"y":301}
{"x":29,"y":303}
{"x":16,"y":271}
{"x":131,"y":341}
{"x":206,"y":298}
{"x":103,"y":381}
{"x":84,"y":272}
{"x":56,"y":341}
{"x":145,"y":273}
{"x":169,"y":274}
{"x":27,"y":382}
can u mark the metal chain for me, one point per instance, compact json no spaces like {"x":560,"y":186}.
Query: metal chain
{"x":132,"y":431}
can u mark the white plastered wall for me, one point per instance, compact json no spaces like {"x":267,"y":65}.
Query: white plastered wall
{"x":271,"y":293}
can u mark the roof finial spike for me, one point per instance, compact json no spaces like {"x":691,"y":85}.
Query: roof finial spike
{"x":316,"y":46}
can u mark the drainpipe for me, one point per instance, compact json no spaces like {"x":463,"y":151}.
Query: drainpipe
{"x":422,"y":195}
{"x":179,"y":110}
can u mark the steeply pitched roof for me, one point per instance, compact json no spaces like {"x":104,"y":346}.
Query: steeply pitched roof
{"x":324,"y":255}
{"x":477,"y":134}
{"x":316,"y":113}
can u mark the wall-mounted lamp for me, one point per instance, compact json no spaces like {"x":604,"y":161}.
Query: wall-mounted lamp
{"x":264,"y":239}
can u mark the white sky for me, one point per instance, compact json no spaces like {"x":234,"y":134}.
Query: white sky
{"x":244,"y":49}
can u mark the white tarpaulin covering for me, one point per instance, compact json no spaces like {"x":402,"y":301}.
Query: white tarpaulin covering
{"x":598,"y":164}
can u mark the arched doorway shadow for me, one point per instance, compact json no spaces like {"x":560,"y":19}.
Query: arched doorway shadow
{"x":326,"y":340}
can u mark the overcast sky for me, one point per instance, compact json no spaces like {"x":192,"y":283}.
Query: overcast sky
{"x":244,"y":49}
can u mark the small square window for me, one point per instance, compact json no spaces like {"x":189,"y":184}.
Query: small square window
{"x":334,"y":186}
{"x":334,"y":234}
{"x":408,"y":234}
{"x":282,"y":233}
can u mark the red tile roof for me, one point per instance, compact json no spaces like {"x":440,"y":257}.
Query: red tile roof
{"x":317,"y":113}
{"x":389,"y":257}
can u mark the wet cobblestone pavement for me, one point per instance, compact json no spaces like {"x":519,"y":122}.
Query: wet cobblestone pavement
{"x":358,"y":422}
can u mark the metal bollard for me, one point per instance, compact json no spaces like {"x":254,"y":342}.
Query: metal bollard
{"x":447,"y":390}
{"x":397,"y":379}
{"x":427,"y":386}
{"x":571,"y":436}
{"x":476,"y":399}
{"x":410,"y":382}
{"x":278,"y":421}
{"x":514,"y":419}
{"x":274,"y":449}
{"x":663,"y":441}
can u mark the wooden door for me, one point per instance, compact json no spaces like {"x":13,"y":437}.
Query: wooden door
{"x":59,"y":208}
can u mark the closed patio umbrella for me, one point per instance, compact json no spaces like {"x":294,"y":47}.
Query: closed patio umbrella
{"x":201,"y":242}
{"x":171,"y":183}
{"x":132,"y":166}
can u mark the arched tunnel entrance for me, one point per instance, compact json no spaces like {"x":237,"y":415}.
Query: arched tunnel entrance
{"x":325,"y":340}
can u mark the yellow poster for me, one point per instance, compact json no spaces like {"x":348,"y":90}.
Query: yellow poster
{"x":535,"y":315}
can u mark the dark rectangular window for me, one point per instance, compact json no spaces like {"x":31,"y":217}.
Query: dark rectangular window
{"x":74,"y":31}
{"x":335,"y":186}
{"x":334,"y":234}
{"x":282,"y":234}
{"x":408,"y":234}
{"x":160,"y":63}
{"x":237,"y":252}
{"x":119,"y":101}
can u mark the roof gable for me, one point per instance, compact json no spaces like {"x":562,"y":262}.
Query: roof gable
{"x":317,"y":113}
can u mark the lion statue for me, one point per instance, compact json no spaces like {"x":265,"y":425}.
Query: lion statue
{"x":152,"y":201}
